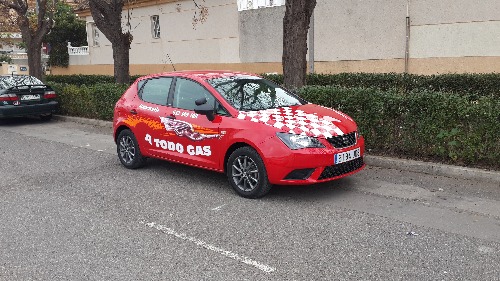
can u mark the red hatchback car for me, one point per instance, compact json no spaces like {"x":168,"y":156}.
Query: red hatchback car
{"x":240,"y":124}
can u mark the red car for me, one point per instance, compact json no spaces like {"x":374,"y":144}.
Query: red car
{"x":240,"y":124}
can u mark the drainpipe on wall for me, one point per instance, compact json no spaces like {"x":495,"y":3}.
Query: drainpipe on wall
{"x":311,"y":44}
{"x":407,"y":45}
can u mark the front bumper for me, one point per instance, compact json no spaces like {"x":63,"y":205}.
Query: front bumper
{"x":7,"y":111}
{"x":308,"y":166}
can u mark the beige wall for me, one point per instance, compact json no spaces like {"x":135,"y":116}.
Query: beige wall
{"x":425,"y":66}
{"x":9,"y":68}
{"x":359,"y":30}
{"x":428,"y":12}
{"x":143,"y":69}
{"x":471,"y":39}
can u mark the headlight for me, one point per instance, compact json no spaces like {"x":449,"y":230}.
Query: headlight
{"x":299,"y":141}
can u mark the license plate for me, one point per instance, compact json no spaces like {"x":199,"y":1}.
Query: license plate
{"x":347,"y":156}
{"x":30,"y":97}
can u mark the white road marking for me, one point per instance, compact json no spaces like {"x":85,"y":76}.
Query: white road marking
{"x":229,"y":254}
{"x":218,"y":208}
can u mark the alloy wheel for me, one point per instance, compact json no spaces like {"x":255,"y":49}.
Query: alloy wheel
{"x":245,"y":173}
{"x":127,"y":149}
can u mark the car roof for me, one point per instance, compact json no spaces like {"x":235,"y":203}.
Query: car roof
{"x":202,"y":74}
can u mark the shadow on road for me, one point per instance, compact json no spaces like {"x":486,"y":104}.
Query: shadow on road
{"x":20,"y":121}
{"x":209,"y":179}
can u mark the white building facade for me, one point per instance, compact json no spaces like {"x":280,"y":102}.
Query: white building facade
{"x":417,"y":36}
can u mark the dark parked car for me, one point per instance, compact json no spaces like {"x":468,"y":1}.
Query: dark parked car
{"x":23,"y":95}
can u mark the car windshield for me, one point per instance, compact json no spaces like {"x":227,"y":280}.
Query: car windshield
{"x":249,"y":93}
{"x":7,"y":82}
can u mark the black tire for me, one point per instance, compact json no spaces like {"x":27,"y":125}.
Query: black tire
{"x":46,"y":117}
{"x":247,"y":173}
{"x":128,"y":150}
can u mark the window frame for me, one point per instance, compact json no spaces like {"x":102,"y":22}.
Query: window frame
{"x":142,"y":83}
{"x":217,"y":105}
{"x":96,"y":34}
{"x":155,"y":27}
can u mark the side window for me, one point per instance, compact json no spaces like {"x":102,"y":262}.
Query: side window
{"x":155,"y":90}
{"x":187,"y":92}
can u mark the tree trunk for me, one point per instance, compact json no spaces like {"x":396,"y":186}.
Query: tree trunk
{"x":35,"y":60}
{"x":295,"y":26}
{"x":107,"y":16}
{"x":121,"y":61}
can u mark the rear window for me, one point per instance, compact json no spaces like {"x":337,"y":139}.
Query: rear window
{"x":13,"y":81}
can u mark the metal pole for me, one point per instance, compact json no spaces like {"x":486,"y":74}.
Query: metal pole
{"x":311,"y":44}
{"x":407,"y":45}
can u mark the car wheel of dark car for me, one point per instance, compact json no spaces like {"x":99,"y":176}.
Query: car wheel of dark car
{"x":247,"y":173}
{"x":46,"y":117}
{"x":128,"y":150}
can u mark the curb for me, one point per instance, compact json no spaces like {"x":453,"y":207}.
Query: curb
{"x":371,"y":160}
{"x":433,"y":168}
{"x":86,"y":121}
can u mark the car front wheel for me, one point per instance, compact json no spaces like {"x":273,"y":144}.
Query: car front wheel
{"x":128,"y":150}
{"x":247,"y":174}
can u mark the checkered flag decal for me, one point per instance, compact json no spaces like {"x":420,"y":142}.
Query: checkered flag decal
{"x":294,"y":121}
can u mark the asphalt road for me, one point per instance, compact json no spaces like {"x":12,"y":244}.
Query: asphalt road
{"x":70,"y":211}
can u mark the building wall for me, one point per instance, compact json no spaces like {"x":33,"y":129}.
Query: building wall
{"x":261,"y":34}
{"x":181,"y":41}
{"x":446,"y":36}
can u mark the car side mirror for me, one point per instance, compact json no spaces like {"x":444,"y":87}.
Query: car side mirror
{"x":203,"y":108}
{"x":200,"y":101}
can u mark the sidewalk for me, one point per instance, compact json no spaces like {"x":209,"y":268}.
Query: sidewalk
{"x":371,"y":160}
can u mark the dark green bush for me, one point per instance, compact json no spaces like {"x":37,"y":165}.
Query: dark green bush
{"x":477,"y":84}
{"x":80,"y":79}
{"x":90,"y":101}
{"x":459,"y":129}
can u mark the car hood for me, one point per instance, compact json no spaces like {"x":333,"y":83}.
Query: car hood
{"x":309,"y":119}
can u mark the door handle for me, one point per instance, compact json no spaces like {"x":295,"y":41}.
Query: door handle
{"x":133,"y":111}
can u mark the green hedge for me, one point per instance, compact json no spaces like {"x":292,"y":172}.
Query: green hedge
{"x":80,"y":79}
{"x":458,"y":129}
{"x":477,"y":84}
{"x":90,"y":101}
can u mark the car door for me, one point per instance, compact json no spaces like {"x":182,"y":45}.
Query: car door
{"x":151,"y":107}
{"x":196,"y":139}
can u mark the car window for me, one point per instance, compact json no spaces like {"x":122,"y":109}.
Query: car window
{"x":19,"y":81}
{"x":253,"y":93}
{"x":155,"y":90}
{"x":187,"y":92}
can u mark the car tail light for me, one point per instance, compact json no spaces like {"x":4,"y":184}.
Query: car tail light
{"x":8,"y":97}
{"x":50,"y":95}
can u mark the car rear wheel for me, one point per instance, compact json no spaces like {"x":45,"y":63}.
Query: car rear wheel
{"x":128,"y":150}
{"x":247,"y":174}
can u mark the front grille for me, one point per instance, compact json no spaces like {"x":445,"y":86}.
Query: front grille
{"x":343,"y":140}
{"x":341,"y":169}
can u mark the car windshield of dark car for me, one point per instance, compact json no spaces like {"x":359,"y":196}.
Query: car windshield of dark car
{"x":7,"y":82}
{"x":249,"y":93}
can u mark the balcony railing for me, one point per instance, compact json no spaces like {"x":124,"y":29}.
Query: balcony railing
{"x":78,"y":51}
{"x":256,"y":4}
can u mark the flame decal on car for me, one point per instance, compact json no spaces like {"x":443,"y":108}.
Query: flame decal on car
{"x":185,"y":129}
